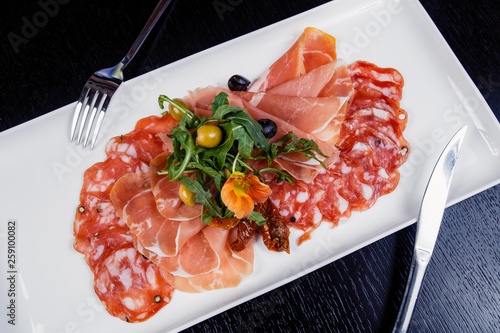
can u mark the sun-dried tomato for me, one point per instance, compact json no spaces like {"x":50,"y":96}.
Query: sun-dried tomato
{"x":274,"y":232}
{"x":246,"y":230}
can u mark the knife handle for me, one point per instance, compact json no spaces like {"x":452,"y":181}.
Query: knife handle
{"x":418,"y":266}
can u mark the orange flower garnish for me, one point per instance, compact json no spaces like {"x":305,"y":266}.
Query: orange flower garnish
{"x":241,"y":192}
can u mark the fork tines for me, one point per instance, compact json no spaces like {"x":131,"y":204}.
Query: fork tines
{"x":89,"y":114}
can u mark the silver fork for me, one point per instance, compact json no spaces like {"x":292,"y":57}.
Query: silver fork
{"x":99,"y":89}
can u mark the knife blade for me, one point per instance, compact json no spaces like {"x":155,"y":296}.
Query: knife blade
{"x":428,"y":224}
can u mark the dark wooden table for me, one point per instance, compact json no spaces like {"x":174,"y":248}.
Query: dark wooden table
{"x":45,"y":66}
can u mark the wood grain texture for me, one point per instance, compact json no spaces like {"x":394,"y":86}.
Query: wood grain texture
{"x":359,"y":293}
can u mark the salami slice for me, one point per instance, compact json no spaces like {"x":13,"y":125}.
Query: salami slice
{"x":133,"y":287}
{"x":138,"y":144}
{"x":95,"y":212}
{"x":130,"y":286}
{"x":372,"y":148}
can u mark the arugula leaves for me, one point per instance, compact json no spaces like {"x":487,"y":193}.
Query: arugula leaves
{"x":211,"y":167}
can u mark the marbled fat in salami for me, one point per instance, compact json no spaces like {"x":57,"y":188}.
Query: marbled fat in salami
{"x":130,"y":286}
{"x":372,"y":147}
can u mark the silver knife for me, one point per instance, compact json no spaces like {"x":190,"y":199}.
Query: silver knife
{"x":428,"y":223}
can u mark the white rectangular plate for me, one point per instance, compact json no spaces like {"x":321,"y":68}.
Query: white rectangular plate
{"x":41,"y":172}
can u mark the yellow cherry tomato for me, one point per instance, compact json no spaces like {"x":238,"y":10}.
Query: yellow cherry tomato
{"x":208,"y":136}
{"x":176,"y":113}
{"x":186,"y":196}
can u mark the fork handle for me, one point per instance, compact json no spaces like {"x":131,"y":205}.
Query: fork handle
{"x":160,"y":8}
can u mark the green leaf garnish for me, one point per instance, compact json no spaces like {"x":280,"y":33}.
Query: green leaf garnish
{"x":257,"y":218}
{"x":209,"y":168}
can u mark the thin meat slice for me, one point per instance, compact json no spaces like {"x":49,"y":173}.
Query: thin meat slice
{"x":157,"y":125}
{"x":133,"y":287}
{"x":295,"y":164}
{"x":233,"y":265}
{"x":309,"y":114}
{"x":100,"y":178}
{"x":372,"y":148}
{"x":387,"y":81}
{"x":166,"y":193}
{"x":138,"y":144}
{"x":198,"y":256}
{"x":97,"y":228}
{"x":313,"y":49}
{"x":331,"y":79}
{"x":135,"y":204}
{"x":102,"y":241}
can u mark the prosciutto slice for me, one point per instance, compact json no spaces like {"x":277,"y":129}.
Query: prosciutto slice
{"x":312,"y":49}
{"x":307,"y":91}
{"x":198,"y":256}
{"x":166,"y":193}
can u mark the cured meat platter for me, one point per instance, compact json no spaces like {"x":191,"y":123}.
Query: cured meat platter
{"x":436,"y":108}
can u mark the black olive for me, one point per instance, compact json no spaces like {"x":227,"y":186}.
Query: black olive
{"x":269,"y":127}
{"x":238,"y":83}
